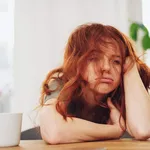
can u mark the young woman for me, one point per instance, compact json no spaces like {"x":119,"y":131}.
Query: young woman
{"x":103,"y":89}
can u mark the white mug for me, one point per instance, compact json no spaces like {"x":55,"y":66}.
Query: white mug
{"x":10,"y":129}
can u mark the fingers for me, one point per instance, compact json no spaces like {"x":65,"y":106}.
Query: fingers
{"x":109,"y":121}
{"x":110,"y":104}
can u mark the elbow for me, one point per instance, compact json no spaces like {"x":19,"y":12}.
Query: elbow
{"x":142,"y":134}
{"x":52,"y":137}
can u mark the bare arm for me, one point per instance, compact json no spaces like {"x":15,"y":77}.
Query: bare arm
{"x":137,"y":102}
{"x":55,"y":129}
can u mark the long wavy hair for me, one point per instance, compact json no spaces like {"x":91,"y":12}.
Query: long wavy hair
{"x":84,"y":41}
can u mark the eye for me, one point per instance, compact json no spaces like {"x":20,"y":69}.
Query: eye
{"x":92,"y":58}
{"x":117,"y":62}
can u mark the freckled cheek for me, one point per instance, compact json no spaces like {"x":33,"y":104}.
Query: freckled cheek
{"x":86,"y":75}
{"x":117,"y":70}
{"x":89,"y":75}
{"x":117,"y":74}
{"x":118,"y":80}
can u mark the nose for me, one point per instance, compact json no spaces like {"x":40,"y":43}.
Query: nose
{"x":105,"y":64}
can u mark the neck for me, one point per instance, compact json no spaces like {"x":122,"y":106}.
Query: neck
{"x":91,"y":98}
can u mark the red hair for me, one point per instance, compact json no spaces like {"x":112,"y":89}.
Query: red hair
{"x":82,"y":42}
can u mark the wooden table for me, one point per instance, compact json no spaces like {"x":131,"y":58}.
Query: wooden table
{"x":122,"y":144}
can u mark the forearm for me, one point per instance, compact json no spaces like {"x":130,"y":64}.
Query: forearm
{"x":81,"y":130}
{"x":137,"y":102}
{"x":55,"y":129}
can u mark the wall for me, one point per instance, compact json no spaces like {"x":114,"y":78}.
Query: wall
{"x":146,"y":21}
{"x":41,"y":31}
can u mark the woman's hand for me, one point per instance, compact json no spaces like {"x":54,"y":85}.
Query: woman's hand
{"x":114,"y":118}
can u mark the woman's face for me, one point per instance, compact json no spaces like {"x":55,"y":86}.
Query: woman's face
{"x":103,"y":71}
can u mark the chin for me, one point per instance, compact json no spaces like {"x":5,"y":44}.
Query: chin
{"x":103,"y":90}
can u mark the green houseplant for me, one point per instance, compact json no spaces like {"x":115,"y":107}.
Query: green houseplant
{"x":133,"y":33}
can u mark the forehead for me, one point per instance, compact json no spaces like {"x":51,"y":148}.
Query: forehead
{"x":106,"y":46}
{"x":108,"y":50}
{"x":112,"y":53}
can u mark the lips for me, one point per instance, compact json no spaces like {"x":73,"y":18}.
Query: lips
{"x":106,"y":80}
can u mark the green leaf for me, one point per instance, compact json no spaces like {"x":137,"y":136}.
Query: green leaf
{"x":143,"y":28}
{"x":146,"y":42}
{"x":133,"y":31}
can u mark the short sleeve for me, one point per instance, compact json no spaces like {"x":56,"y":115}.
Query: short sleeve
{"x":55,"y":94}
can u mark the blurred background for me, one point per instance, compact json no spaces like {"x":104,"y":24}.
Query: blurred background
{"x":33,"y":34}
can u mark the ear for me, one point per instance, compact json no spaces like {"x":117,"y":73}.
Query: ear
{"x":129,"y":62}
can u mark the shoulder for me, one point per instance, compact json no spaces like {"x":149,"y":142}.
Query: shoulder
{"x":51,"y":101}
{"x":54,"y":84}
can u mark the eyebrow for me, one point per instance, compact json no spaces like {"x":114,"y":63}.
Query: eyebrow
{"x":116,"y":56}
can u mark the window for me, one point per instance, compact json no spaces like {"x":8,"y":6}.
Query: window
{"x":6,"y":47}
